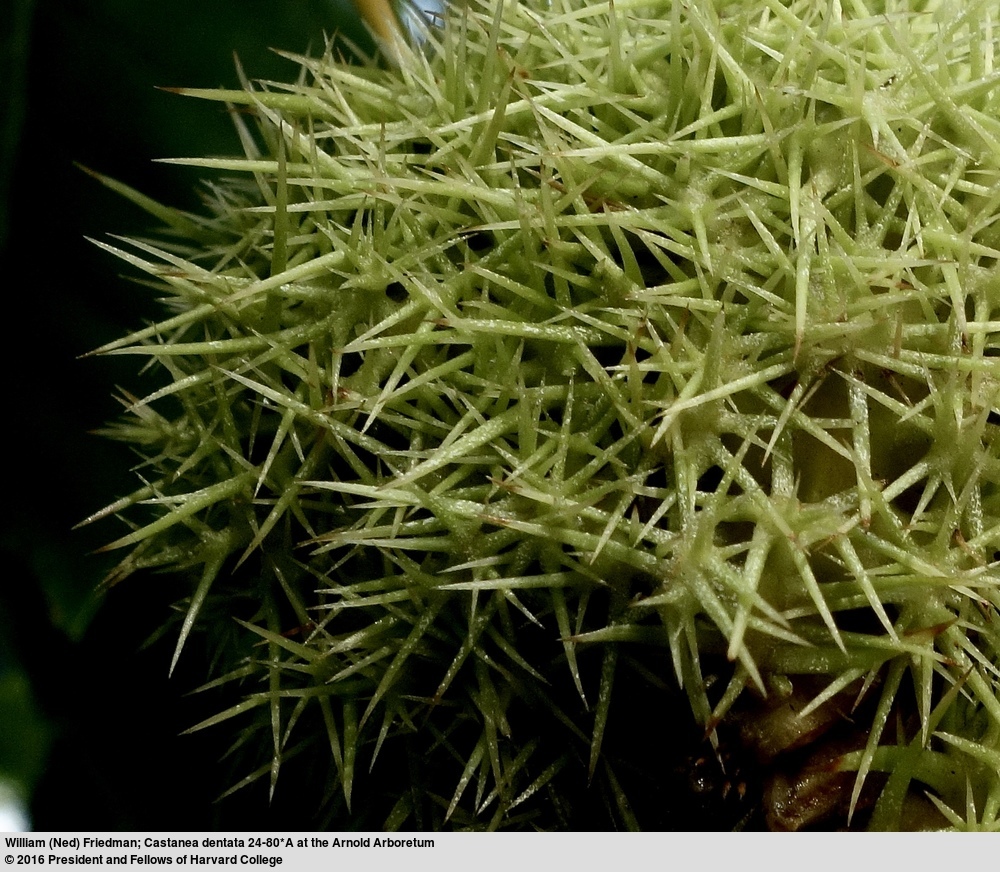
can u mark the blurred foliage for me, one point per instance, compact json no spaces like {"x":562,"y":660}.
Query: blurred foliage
{"x":88,"y":731}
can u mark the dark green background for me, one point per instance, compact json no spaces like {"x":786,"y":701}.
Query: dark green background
{"x":89,"y":722}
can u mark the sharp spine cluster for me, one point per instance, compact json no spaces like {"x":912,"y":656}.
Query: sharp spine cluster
{"x":591,"y":330}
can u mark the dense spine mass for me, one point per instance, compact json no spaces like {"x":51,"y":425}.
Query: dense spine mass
{"x":590,"y":351}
